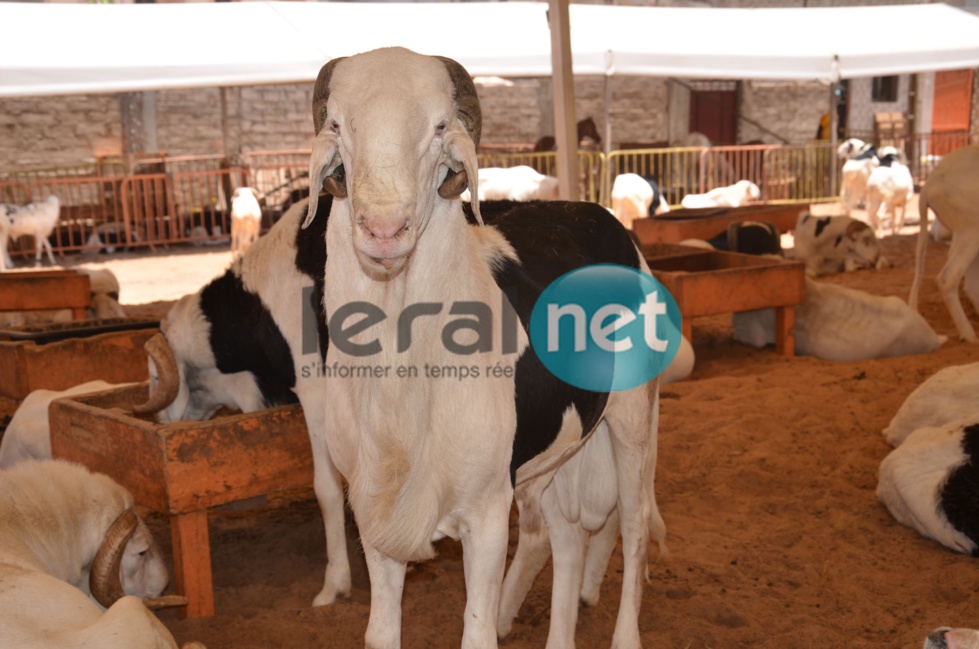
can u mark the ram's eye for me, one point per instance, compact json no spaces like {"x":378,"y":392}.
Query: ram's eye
{"x":440,"y":128}
{"x":334,"y":126}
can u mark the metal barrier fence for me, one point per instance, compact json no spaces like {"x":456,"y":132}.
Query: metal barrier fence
{"x":152,"y":200}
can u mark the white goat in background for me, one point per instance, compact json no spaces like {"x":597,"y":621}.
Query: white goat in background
{"x":952,"y":192}
{"x":889,"y":187}
{"x":35,"y":219}
{"x":246,"y":219}
{"x":66,"y":532}
{"x":860,"y":160}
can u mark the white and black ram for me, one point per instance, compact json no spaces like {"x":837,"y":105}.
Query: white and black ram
{"x":78,"y":566}
{"x":254,"y":338}
{"x":424,"y":459}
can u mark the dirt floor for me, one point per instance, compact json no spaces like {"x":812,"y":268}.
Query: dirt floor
{"x":766,"y":479}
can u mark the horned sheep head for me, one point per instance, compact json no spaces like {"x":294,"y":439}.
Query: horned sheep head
{"x":390,"y":124}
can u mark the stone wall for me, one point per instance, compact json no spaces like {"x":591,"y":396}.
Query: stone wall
{"x":49,"y":131}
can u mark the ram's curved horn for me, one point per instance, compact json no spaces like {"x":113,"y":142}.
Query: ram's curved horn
{"x":467,"y":101}
{"x":104,"y":580}
{"x":168,"y":377}
{"x":471,"y":116}
{"x":335,"y":183}
{"x":165,"y":601}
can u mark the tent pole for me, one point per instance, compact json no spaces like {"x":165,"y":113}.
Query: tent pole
{"x":833,"y":122}
{"x":562,"y":77}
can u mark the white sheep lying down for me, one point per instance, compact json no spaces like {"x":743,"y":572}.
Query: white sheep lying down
{"x":66,"y":533}
{"x":838,"y":323}
{"x":835,"y":244}
{"x":949,"y":394}
{"x":520,"y":183}
{"x":736,"y":195}
{"x":104,"y":304}
{"x":28,"y":435}
{"x":930,"y":481}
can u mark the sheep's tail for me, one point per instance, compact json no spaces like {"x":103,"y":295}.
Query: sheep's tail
{"x":920,"y":249}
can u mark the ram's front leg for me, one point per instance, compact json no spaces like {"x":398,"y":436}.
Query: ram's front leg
{"x":484,"y":544}
{"x":387,"y":584}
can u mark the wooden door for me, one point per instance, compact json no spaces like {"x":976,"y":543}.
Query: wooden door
{"x":950,"y":110}
{"x":714,"y":111}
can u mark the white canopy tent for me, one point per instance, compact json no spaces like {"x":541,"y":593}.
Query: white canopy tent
{"x":81,"y":48}
{"x":53,"y":49}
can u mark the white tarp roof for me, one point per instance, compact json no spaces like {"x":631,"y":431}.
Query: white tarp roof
{"x":79,"y":48}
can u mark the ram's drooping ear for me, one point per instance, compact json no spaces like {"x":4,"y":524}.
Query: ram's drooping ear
{"x":463,"y":153}
{"x":461,"y":150}
{"x":325,"y":171}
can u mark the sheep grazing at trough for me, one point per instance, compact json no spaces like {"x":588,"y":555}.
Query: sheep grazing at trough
{"x":520,"y":183}
{"x":949,"y":394}
{"x":837,"y":323}
{"x":736,"y":195}
{"x":435,"y":456}
{"x":635,"y":197}
{"x":37,"y":220}
{"x":28,"y":435}
{"x":948,"y":638}
{"x":931,"y":483}
{"x":834,"y":244}
{"x":246,"y":219}
{"x":889,"y":188}
{"x":71,"y":547}
{"x":860,"y":159}
{"x":251,"y":339}
{"x":953,"y":194}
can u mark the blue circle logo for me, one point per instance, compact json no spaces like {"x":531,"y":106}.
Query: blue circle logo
{"x":605,"y":328}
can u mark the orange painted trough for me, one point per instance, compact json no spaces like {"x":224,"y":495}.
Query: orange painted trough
{"x":710,"y":282}
{"x":61,"y":355}
{"x":182,"y":469}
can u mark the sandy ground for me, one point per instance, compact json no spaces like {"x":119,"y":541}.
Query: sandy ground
{"x":766,"y":479}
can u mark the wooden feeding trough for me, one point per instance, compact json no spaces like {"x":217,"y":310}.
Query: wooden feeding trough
{"x":706,"y":223}
{"x":710,"y":282}
{"x":56,"y":356}
{"x":38,"y":290}
{"x":182,"y":469}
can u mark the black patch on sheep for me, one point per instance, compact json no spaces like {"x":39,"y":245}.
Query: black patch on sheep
{"x":959,"y":496}
{"x":888,"y":160}
{"x":821,"y":224}
{"x":245,"y":338}
{"x":311,"y":261}
{"x":866,"y":151}
{"x":551,"y":238}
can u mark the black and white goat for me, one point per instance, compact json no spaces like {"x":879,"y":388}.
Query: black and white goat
{"x":636,"y":197}
{"x":834,"y":244}
{"x":860,"y":160}
{"x":430,"y":458}
{"x":889,"y":188}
